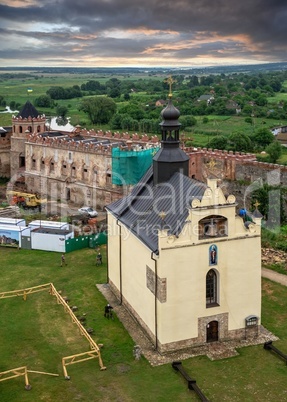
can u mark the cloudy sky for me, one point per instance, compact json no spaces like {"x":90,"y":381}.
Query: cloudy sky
{"x":141,"y":33}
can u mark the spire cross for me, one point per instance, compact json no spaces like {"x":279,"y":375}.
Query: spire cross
{"x":170,"y":81}
{"x":256,"y":204}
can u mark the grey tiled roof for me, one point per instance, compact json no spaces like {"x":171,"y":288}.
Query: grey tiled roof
{"x":140,"y":211}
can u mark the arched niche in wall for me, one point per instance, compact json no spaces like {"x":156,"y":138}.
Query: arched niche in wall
{"x":212,"y":226}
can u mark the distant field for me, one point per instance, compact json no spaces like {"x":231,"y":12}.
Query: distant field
{"x":278,"y":96}
{"x":202,"y":133}
{"x":15,"y":89}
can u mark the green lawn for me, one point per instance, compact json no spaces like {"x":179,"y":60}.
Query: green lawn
{"x":38,"y":333}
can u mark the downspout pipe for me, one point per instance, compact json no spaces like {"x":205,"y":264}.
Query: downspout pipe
{"x":107,"y":257}
{"x":120,"y":262}
{"x":155,"y":302}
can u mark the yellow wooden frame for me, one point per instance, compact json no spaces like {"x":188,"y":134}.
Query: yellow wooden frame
{"x":92,"y":354}
{"x":22,"y":371}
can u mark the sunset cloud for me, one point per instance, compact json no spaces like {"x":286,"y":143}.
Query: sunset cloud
{"x":156,"y":32}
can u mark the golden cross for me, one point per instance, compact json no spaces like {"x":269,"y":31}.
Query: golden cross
{"x":256,"y":204}
{"x":170,"y":81}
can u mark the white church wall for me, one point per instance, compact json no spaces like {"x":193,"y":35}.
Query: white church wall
{"x":178,"y":317}
{"x":128,"y":274}
{"x":185,"y":268}
{"x":241,"y":280}
{"x":136,"y":257}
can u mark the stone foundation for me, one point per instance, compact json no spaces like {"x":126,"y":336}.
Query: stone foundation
{"x":224,"y":335}
{"x":134,"y":314}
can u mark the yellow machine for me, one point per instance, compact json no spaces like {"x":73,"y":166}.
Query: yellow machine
{"x":26,"y":200}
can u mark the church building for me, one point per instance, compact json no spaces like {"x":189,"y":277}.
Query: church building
{"x":180,"y":258}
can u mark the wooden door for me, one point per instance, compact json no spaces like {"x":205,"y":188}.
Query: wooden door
{"x":212,"y":331}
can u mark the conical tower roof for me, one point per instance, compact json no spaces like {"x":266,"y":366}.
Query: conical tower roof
{"x":28,"y":110}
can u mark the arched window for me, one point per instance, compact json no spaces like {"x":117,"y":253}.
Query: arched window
{"x":42,"y":164}
{"x":33,"y":162}
{"x":211,"y":289}
{"x":85,"y":173}
{"x":73,"y":170}
{"x":108,"y":177}
{"x":96,"y":175}
{"x":52,"y":166}
{"x":64,"y":169}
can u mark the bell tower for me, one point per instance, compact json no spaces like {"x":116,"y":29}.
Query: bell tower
{"x":26,"y":122}
{"x":170,"y":158}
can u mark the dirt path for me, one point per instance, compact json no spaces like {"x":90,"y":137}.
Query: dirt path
{"x":274,"y":276}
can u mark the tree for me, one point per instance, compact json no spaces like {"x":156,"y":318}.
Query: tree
{"x":275,"y":151}
{"x":12,"y":105}
{"x":127,"y":96}
{"x":43,"y":101}
{"x":192,"y":81}
{"x":114,"y":92}
{"x":218,"y":142}
{"x":133,"y":110}
{"x":239,"y":142}
{"x":247,"y":110}
{"x":261,"y":100}
{"x":92,"y":86}
{"x":56,"y":92}
{"x":100,"y":109}
{"x":116,"y":121}
{"x":2,"y":101}
{"x":262,"y":137}
{"x":187,"y":121}
{"x":62,"y":111}
{"x":128,"y":123}
{"x":271,"y":205}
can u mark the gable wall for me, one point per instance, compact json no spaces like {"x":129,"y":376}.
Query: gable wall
{"x":185,"y":269}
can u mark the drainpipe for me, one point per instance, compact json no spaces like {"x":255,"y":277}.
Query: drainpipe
{"x":155,"y":301}
{"x":120,"y":260}
{"x":107,"y":259}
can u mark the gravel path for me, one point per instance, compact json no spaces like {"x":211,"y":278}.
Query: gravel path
{"x":274,"y":276}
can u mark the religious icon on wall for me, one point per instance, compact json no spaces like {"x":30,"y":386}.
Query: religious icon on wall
{"x":213,"y":255}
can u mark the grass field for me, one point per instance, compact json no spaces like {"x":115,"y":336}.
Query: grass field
{"x":38,"y":333}
{"x":15,"y":89}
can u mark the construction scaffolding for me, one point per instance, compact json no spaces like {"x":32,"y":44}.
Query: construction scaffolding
{"x":128,"y":166}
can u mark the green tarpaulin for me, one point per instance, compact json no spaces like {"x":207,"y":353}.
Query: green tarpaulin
{"x":128,"y":167}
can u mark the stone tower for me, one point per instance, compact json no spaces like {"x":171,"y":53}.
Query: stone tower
{"x":27,"y":121}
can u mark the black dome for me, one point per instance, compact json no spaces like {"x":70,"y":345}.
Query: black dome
{"x":170,"y":112}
